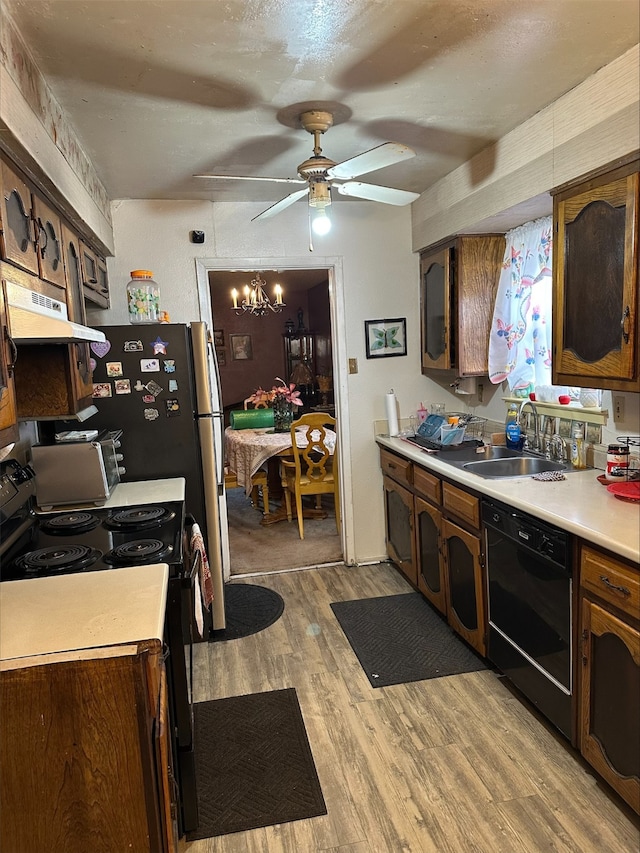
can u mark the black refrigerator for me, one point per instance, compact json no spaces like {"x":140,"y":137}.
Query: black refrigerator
{"x":160,"y":384}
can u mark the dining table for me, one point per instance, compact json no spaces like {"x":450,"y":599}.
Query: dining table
{"x":247,"y":450}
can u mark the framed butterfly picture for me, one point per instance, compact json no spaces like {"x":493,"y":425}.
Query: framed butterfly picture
{"x":385,"y":338}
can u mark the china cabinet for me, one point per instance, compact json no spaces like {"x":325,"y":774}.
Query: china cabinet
{"x":595,"y":265}
{"x":610,"y":677}
{"x":458,"y":283}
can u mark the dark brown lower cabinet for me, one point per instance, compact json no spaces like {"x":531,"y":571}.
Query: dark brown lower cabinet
{"x":610,"y":677}
{"x":431,"y":580}
{"x":465,"y":584}
{"x":401,"y":547}
{"x":86,"y":758}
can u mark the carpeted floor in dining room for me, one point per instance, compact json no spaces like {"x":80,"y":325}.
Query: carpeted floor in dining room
{"x":256,"y":548}
{"x":445,"y":765}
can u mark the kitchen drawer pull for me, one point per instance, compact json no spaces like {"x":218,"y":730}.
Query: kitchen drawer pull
{"x":623,"y":589}
{"x":625,"y":322}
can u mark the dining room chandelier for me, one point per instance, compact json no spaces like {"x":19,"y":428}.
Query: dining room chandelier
{"x":255,"y":299}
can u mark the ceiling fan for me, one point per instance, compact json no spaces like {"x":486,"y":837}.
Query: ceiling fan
{"x":321,"y":174}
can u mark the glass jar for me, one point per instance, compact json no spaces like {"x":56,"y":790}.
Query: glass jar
{"x":282,"y":413}
{"x":143,"y":297}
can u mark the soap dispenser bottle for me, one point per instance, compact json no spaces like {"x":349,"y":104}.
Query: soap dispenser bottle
{"x":512,"y":427}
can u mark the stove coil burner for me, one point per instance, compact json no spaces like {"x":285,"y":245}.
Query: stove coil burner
{"x":65,"y":558}
{"x":139,"y":552}
{"x":70,"y":522}
{"x":139,"y":517}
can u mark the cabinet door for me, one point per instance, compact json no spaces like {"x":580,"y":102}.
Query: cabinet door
{"x":79,"y":353}
{"x":48,"y":227}
{"x":401,"y":547}
{"x":8,"y":409}
{"x":464,"y":577}
{"x":430,"y":564}
{"x":435,"y":310}
{"x":596,"y":286}
{"x":17,"y":239}
{"x":610,"y":700}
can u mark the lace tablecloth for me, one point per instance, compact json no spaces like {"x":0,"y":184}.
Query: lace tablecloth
{"x":246,"y":450}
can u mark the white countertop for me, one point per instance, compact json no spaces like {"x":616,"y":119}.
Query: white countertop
{"x":132,"y":494}
{"x":82,"y":611}
{"x":578,"y":504}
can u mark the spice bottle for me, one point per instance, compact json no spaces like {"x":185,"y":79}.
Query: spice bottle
{"x":143,"y":297}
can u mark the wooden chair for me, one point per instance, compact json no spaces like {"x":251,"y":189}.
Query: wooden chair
{"x":258,"y":484}
{"x":314,"y":469}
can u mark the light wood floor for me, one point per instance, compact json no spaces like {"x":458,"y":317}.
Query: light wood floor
{"x":449,"y":765}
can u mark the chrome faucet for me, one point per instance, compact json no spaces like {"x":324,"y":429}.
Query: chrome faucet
{"x":536,"y":433}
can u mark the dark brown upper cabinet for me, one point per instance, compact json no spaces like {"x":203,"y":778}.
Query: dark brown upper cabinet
{"x":595,"y":266}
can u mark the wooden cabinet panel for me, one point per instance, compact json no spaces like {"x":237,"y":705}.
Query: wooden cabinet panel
{"x":79,"y":353}
{"x":399,"y":521}
{"x":427,"y":485}
{"x":611,"y":580}
{"x":18,"y":239}
{"x":596,"y":324}
{"x":94,"y":276}
{"x":465,"y":584}
{"x":460,"y":503}
{"x":79,"y":751}
{"x":8,"y":408}
{"x":458,"y":284}
{"x":48,"y":380}
{"x":610,"y":700}
{"x":396,"y":467}
{"x":431,"y":579}
{"x":49,"y":242}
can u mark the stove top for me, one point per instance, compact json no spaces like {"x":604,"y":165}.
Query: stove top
{"x":35,"y":546}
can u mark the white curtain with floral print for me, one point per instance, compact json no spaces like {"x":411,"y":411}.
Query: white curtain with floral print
{"x":520,"y":338}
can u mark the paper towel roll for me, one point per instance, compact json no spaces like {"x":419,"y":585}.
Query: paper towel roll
{"x":392,"y":412}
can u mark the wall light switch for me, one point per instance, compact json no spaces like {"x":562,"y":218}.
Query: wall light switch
{"x":618,"y":408}
{"x":353,"y":365}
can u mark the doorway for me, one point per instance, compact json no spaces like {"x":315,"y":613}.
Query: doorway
{"x":294,"y":344}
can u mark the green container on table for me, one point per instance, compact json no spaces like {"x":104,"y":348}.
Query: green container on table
{"x":251,"y":418}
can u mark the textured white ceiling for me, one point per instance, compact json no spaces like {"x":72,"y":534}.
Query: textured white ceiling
{"x":159,"y":90}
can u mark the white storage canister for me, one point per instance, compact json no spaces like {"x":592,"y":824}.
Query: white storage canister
{"x":143,"y":297}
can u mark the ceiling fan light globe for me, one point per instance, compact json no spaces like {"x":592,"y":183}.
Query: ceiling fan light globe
{"x":320,"y":223}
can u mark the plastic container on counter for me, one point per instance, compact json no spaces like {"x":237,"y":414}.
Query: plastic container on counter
{"x":143,"y":298}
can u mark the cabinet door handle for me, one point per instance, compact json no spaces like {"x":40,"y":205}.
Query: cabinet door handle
{"x":623,"y":589}
{"x":625,"y":323}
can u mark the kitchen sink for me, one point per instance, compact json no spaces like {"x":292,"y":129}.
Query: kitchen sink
{"x":519,"y":466}
{"x":498,"y":462}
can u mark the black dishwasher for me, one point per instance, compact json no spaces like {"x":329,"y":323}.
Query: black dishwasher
{"x":529,"y":595}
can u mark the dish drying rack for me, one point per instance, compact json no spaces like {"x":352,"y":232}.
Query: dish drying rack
{"x":474,"y":426}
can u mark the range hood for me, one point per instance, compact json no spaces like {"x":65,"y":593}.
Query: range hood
{"x":33,"y":318}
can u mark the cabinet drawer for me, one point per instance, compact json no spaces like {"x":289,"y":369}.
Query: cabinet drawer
{"x":461,"y":504}
{"x":396,"y":467}
{"x":428,"y":485}
{"x":611,"y":580}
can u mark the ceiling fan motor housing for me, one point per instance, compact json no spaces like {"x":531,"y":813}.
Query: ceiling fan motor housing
{"x":319,"y":193}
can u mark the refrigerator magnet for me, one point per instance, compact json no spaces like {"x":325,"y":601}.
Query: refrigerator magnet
{"x":122,"y":386}
{"x":151,"y":414}
{"x":100,"y":348}
{"x":133,"y":346}
{"x":154,"y":388}
{"x":148,"y":398}
{"x":173,"y":408}
{"x":173,"y":385}
{"x":150,"y":365}
{"x":139,"y":386}
{"x":159,"y":346}
{"x":92,"y":364}
{"x":169,"y":365}
{"x":114,"y":368}
{"x":101,"y":389}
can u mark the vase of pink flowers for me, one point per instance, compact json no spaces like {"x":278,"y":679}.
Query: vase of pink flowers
{"x":283,"y":399}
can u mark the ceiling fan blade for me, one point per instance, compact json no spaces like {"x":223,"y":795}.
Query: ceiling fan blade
{"x":250,"y":178}
{"x":376,"y":158}
{"x":282,"y":204}
{"x":374,"y":193}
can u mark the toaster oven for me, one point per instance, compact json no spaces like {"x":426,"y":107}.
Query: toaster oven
{"x":77,"y":471}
